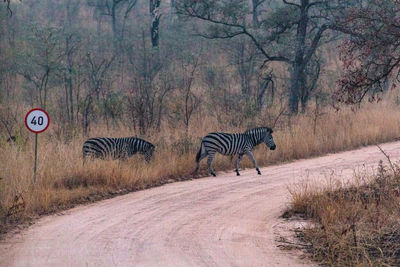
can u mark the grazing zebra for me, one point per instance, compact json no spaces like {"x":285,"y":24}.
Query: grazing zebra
{"x":232,"y":144}
{"x":117,"y":148}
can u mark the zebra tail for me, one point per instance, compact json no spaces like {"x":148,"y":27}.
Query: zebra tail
{"x":198,"y":155}
{"x":84,"y":156}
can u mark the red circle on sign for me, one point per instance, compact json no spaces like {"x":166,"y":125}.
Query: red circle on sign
{"x":26,"y":120}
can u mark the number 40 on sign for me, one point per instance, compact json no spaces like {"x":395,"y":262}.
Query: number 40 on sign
{"x":37,"y":121}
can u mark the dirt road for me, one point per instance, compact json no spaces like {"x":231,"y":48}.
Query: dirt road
{"x":222,"y":221}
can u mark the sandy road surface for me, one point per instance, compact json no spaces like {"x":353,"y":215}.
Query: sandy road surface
{"x":222,"y":221}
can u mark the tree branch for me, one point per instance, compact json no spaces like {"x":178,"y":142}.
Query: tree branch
{"x":244,"y":31}
{"x":314,"y":43}
{"x":8,"y":6}
{"x":226,"y":36}
{"x":259,"y":47}
{"x":314,"y":4}
{"x":292,"y":4}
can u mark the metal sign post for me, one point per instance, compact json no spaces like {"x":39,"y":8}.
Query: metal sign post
{"x":37,"y":121}
{"x":35,"y":165}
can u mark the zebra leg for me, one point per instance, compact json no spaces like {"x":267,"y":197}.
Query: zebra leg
{"x":250,"y":154}
{"x":202,"y":156}
{"x":147,"y":159}
{"x":210,"y":161}
{"x":237,"y":164}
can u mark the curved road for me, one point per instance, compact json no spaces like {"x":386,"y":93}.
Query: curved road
{"x":222,"y":221}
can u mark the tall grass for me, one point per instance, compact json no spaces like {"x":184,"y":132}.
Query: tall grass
{"x":63,"y":181}
{"x":355,"y":224}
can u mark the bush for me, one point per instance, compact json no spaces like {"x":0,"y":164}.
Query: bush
{"x":355,"y":225}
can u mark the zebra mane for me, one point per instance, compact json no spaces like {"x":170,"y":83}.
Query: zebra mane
{"x":258,"y":134}
{"x":144,"y":141}
{"x":250,"y":131}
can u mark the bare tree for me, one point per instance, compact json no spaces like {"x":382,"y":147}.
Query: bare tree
{"x":112,"y":8}
{"x":290,"y":34}
{"x":99,"y":81}
{"x":149,"y":87}
{"x":191,"y":101}
{"x":8,"y":121}
{"x":71,"y":45}
{"x":265,"y":83}
{"x":8,"y":6}
{"x":255,"y":9}
{"x":41,"y":60}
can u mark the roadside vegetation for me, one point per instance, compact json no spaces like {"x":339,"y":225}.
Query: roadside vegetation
{"x":64,"y":181}
{"x":354,"y":223}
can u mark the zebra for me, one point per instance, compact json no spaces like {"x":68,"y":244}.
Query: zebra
{"x":117,"y":148}
{"x":232,"y":144}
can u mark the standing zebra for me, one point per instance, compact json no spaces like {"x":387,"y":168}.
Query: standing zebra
{"x":117,"y":148}
{"x":232,"y":144}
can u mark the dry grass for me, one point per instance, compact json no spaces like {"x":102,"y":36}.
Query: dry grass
{"x":63,"y":181}
{"x":354,"y":225}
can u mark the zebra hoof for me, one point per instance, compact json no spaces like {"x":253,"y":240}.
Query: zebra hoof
{"x":213,"y":174}
{"x":237,"y":174}
{"x":259,"y":173}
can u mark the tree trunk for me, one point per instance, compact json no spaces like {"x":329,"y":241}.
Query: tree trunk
{"x":304,"y":101}
{"x":298,"y":72}
{"x":66,"y":96}
{"x":98,"y":32}
{"x":78,"y":93}
{"x":294,"y":90}
{"x":69,"y":71}
{"x":85,"y":119}
{"x":71,"y":99}
{"x":255,"y":4}
{"x":155,"y":21}
{"x":171,"y":11}
{"x":114,"y":29}
{"x":68,"y":80}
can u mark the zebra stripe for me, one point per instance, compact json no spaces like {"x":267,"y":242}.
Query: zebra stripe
{"x":232,"y":144}
{"x":117,"y":148}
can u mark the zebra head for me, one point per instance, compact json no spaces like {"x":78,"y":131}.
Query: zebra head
{"x":148,"y":153}
{"x":260,"y":135}
{"x":269,"y":140}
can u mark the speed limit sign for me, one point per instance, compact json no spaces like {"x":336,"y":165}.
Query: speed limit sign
{"x":37,"y":120}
